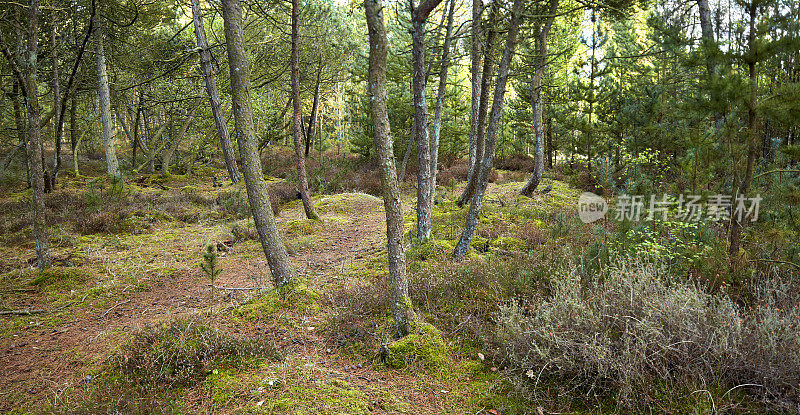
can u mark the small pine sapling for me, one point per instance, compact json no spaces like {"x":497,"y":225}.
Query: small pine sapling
{"x":210,"y":267}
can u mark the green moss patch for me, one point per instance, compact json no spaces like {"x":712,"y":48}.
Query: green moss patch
{"x":62,"y":276}
{"x":424,"y":347}
{"x":294,"y":297}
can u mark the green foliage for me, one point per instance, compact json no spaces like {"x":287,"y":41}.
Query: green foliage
{"x":209,"y":264}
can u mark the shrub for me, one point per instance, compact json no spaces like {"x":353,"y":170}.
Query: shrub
{"x":516,"y":162}
{"x":638,"y":337}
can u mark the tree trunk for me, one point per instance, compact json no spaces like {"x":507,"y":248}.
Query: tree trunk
{"x":378,"y":47}
{"x":752,"y":138}
{"x":35,"y":141}
{"x":271,"y":241}
{"x":483,"y":109}
{"x":419,"y":18}
{"x":57,"y":126}
{"x":73,"y":133}
{"x":297,"y":120}
{"x":475,"y":68}
{"x":437,"y":117}
{"x":537,"y":105}
{"x":167,"y":160}
{"x":213,"y":94}
{"x":109,"y":141}
{"x":491,"y":135}
{"x":314,"y":110}
{"x":708,"y":43}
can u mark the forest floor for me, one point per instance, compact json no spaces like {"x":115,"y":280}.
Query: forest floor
{"x":107,"y":287}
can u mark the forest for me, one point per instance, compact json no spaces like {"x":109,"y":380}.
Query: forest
{"x":399,"y":207}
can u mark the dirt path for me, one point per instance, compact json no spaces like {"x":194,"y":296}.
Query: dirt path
{"x":39,"y":363}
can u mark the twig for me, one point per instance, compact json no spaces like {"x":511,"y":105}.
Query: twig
{"x":239,"y":288}
{"x":22,"y":312}
{"x":28,"y":312}
{"x":115,"y":306}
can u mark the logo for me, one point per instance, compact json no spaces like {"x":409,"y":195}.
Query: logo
{"x":591,"y":207}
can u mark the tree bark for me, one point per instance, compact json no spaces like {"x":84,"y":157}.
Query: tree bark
{"x":537,"y":104}
{"x":109,"y":141}
{"x":297,"y":116}
{"x":378,"y":46}
{"x":167,"y":160}
{"x":312,"y":121}
{"x":419,"y":18}
{"x":752,"y":137}
{"x":491,"y":136}
{"x":57,"y":127}
{"x":213,"y":94}
{"x":483,"y":108}
{"x":35,"y":141}
{"x":271,"y":241}
{"x":475,"y":71}
{"x":437,"y":117}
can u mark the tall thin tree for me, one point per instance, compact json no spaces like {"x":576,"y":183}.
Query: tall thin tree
{"x":419,"y":18}
{"x":297,"y":116}
{"x":398,"y":283}
{"x":491,"y":133}
{"x":271,"y":241}
{"x":213,"y":94}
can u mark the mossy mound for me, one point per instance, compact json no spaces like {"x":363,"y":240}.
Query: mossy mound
{"x":345,"y":203}
{"x":430,"y":249}
{"x":424,"y":346}
{"x":302,"y":227}
{"x":295,"y":297}
{"x":61,"y":276}
{"x":510,"y":244}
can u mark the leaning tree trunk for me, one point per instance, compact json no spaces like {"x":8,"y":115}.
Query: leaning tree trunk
{"x":491,"y":135}
{"x":437,"y":117}
{"x":167,"y":160}
{"x":297,"y":120}
{"x":271,"y":241}
{"x":483,"y":109}
{"x":419,"y":18}
{"x":537,"y":106}
{"x":35,"y":141}
{"x":475,"y":72}
{"x":213,"y":94}
{"x":109,"y":141}
{"x":312,"y":121}
{"x":378,"y":47}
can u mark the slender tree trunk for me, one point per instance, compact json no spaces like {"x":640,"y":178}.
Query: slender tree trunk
{"x":398,"y":283}
{"x":297,"y":120}
{"x":213,"y":94}
{"x":167,"y":160}
{"x":314,"y":111}
{"x":271,"y":241}
{"x":437,"y":117}
{"x":491,"y":136}
{"x":411,"y":139}
{"x":22,"y":131}
{"x":57,"y":128}
{"x":483,"y":109}
{"x":537,"y":105}
{"x":419,"y":18}
{"x":475,"y":71}
{"x":708,"y":43}
{"x":73,"y":132}
{"x":109,"y":141}
{"x":752,"y":137}
{"x":35,"y":141}
{"x":407,"y":154}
